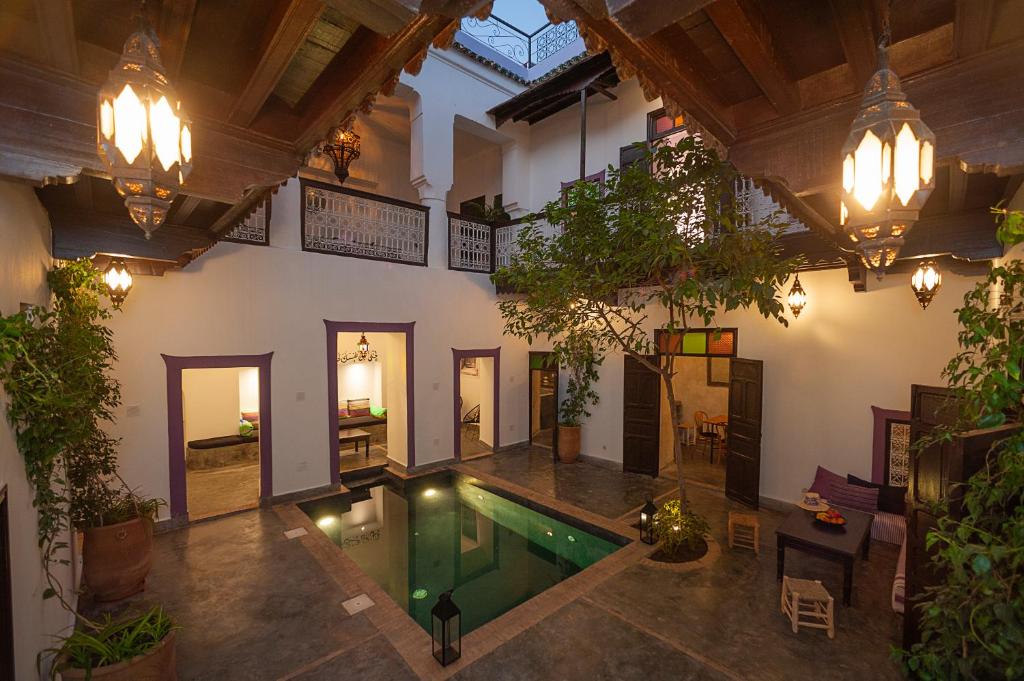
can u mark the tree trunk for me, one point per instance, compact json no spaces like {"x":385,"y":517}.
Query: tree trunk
{"x":677,"y":445}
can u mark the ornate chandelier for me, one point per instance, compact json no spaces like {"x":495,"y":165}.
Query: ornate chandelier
{"x":926,"y":282}
{"x":362,"y":354}
{"x":888,"y":169}
{"x":118,"y":280}
{"x":797,"y":298}
{"x":343,"y":148}
{"x":143,"y":135}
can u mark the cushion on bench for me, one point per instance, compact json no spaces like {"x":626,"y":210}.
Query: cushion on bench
{"x":225,"y":441}
{"x":360,"y":421}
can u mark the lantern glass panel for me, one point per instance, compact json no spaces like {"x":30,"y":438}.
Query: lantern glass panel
{"x":927,"y":162}
{"x":868,"y":170}
{"x":186,"y":144}
{"x":907,"y":159}
{"x":129,"y":124}
{"x":165,"y":128}
{"x":848,"y":173}
{"x":107,"y":119}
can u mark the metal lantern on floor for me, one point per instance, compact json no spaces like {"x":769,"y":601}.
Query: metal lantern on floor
{"x":647,"y":522}
{"x":797,"y":298}
{"x":118,"y":280}
{"x":926,"y":282}
{"x":142,"y":133}
{"x":446,"y":629}
{"x":343,"y":148}
{"x":888,"y":169}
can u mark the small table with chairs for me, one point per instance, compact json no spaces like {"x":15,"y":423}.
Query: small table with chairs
{"x":710,"y":430}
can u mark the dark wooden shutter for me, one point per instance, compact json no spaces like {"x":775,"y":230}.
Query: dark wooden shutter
{"x":641,"y":418}
{"x":629,"y":156}
{"x":743,"y":449}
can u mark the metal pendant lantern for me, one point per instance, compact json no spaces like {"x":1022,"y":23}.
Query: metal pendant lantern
{"x":926,"y":282}
{"x":446,"y":630}
{"x":342,"y":146}
{"x":797,"y":298}
{"x":888,"y":170}
{"x":647,"y":522}
{"x":119,"y":281}
{"x":143,"y":135}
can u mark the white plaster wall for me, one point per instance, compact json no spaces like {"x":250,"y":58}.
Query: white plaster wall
{"x":469,"y":391}
{"x":394,"y":372}
{"x":477,"y":170}
{"x":210,"y":402}
{"x":24,"y":261}
{"x":240,"y":299}
{"x":486,"y":367}
{"x":248,"y":389}
{"x":361,"y":379}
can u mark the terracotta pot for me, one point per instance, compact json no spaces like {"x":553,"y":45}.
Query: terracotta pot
{"x":156,"y":664}
{"x":568,"y":443}
{"x":117,"y":558}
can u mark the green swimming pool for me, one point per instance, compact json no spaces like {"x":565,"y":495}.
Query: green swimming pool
{"x":446,"y":532}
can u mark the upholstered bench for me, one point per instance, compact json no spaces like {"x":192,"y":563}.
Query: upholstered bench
{"x":217,"y":452}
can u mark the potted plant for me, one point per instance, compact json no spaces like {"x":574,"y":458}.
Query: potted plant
{"x":681,"y":533}
{"x":577,"y":355}
{"x":135,"y":649}
{"x":117,"y":551}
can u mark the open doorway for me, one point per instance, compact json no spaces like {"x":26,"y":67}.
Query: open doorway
{"x":701,"y":386}
{"x":221,"y":421}
{"x":476,"y":385}
{"x":219,"y":434}
{"x":370,"y":388}
{"x":543,"y":401}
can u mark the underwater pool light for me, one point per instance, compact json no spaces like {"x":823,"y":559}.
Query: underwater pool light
{"x":429,"y":492}
{"x":326,"y":521}
{"x":419,"y":594}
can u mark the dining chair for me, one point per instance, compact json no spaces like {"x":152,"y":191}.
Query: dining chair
{"x":707,"y":433}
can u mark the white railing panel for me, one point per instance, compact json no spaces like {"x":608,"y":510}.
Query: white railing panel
{"x":469,"y":245}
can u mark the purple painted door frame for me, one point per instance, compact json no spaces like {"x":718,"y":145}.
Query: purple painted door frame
{"x":457,"y":357}
{"x":176,"y":425}
{"x":333,"y":329}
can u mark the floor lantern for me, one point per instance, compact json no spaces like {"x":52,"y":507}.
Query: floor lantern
{"x":446,"y":619}
{"x":926,"y":282}
{"x":888,"y":168}
{"x":647,"y":522}
{"x":143,"y":135}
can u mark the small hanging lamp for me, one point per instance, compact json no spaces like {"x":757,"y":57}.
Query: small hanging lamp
{"x":363,"y":353}
{"x":797,"y":297}
{"x":142,"y":133}
{"x":926,"y":282}
{"x":343,"y":147}
{"x":118,"y":280}
{"x":888,"y":168}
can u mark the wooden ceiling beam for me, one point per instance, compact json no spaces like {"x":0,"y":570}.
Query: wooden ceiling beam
{"x":57,"y":29}
{"x":957,"y":188}
{"x":355,"y":75}
{"x":175,"y":25}
{"x":856,"y":35}
{"x":286,"y":32}
{"x":641,"y":18}
{"x":751,"y":40}
{"x":982,"y":127}
{"x":50,"y":117}
{"x":658,"y":66}
{"x":385,"y":17}
{"x":973,"y":26}
{"x":185,"y":209}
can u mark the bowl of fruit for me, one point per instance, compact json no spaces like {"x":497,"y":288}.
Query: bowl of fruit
{"x":831,"y":519}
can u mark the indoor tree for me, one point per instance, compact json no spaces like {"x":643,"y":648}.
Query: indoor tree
{"x":972,"y":623}
{"x":662,"y":242}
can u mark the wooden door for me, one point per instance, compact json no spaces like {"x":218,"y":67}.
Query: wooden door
{"x":6,"y":605}
{"x":641,"y":418}
{"x":743,"y":448}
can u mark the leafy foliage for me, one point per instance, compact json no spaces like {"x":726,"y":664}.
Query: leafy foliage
{"x":55,"y":367}
{"x":675,"y":527}
{"x":972,"y":625}
{"x":112,"y":641}
{"x":667,"y":233}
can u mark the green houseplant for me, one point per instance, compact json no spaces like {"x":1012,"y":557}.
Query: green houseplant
{"x":680,"y":530}
{"x":972,"y":623}
{"x":576,"y":354}
{"x":669,"y":245}
{"x":140,"y":647}
{"x":55,"y":366}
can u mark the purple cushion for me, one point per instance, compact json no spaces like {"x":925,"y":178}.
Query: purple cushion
{"x":823,"y":477}
{"x":890,"y":499}
{"x":853,"y":496}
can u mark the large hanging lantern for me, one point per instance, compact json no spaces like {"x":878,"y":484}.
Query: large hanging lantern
{"x":363,"y":353}
{"x":118,"y":280}
{"x":797,"y":298}
{"x":926,"y":282}
{"x":446,"y":630}
{"x":143,"y":135}
{"x":888,"y":170}
{"x":343,"y":148}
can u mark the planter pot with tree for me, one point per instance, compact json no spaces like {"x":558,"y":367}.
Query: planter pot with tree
{"x":576,"y":354}
{"x":662,"y":239}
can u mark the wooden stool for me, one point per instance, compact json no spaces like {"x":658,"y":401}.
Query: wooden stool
{"x":807,"y":604}
{"x":745,"y":531}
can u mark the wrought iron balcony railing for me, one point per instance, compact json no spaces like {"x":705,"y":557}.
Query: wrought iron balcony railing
{"x":526,"y":49}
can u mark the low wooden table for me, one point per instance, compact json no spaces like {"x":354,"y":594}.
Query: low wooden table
{"x":355,"y":436}
{"x":800,"y":531}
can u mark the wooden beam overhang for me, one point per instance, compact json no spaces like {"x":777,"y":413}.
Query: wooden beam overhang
{"x":982,"y":126}
{"x":381,"y":16}
{"x":286,"y":31}
{"x":641,"y":18}
{"x":59,"y":36}
{"x":751,"y":40}
{"x":857,"y":37}
{"x":557,"y":92}
{"x":175,"y":25}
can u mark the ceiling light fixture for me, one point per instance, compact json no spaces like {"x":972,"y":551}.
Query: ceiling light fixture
{"x":363,"y":353}
{"x":926,"y":282}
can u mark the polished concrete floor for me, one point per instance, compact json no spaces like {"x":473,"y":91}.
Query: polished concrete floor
{"x":216,"y":491}
{"x":698,"y":467}
{"x":253,"y":605}
{"x":470,"y":442}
